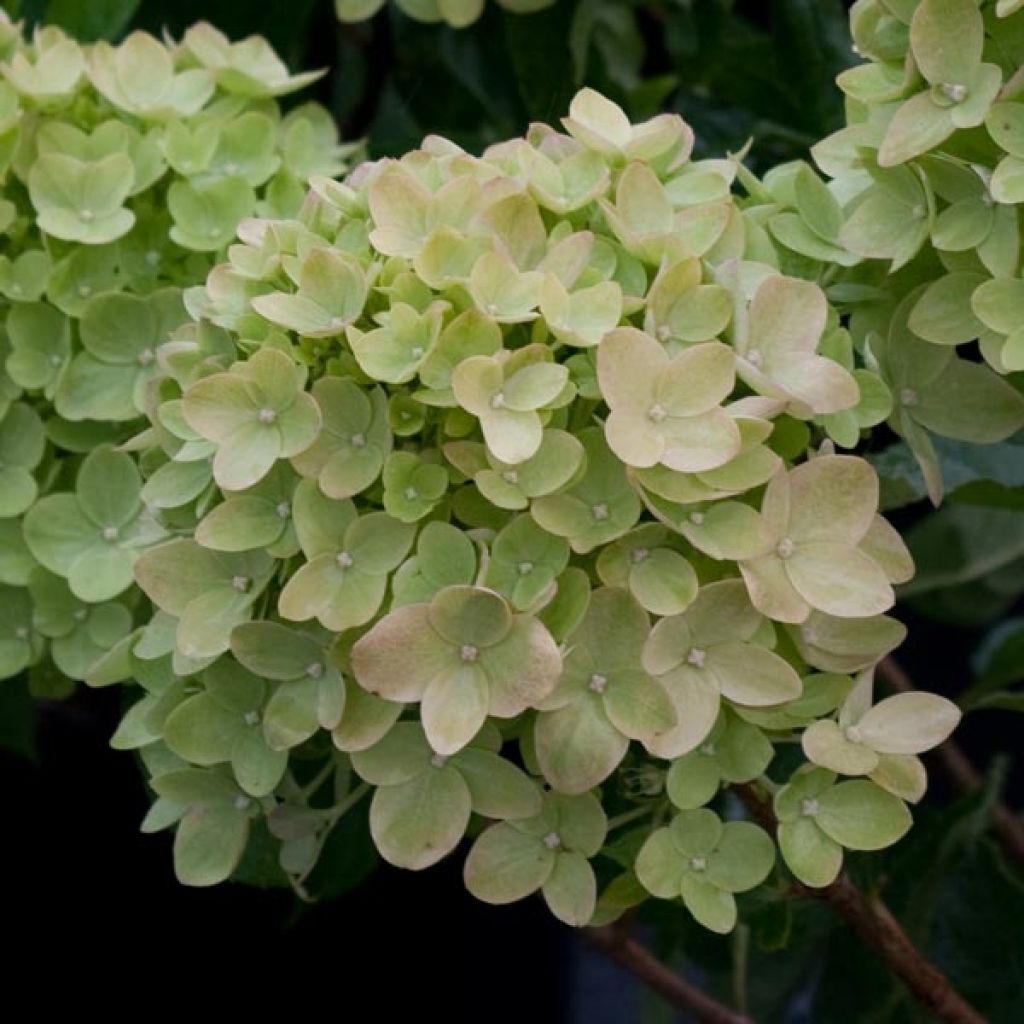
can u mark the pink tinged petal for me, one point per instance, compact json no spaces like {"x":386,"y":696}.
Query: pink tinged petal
{"x":454,"y":707}
{"x":771,"y":591}
{"x":401,"y":655}
{"x":697,"y":380}
{"x":832,"y":498}
{"x":839,"y":580}
{"x":787,"y":315}
{"x":522,"y":670}
{"x":695,"y":697}
{"x":697,"y":443}
{"x":820,"y":384}
{"x":628,"y":365}
{"x":634,"y":438}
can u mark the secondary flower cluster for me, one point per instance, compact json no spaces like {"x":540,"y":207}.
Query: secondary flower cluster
{"x":456,"y":13}
{"x":126,"y":171}
{"x":928,"y":183}
{"x":509,"y":485}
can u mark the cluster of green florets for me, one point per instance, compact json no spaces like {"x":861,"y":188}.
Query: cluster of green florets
{"x":126,"y":172}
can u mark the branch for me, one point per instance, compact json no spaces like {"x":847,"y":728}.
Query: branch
{"x":615,"y":943}
{"x":960,"y":771}
{"x":876,"y":926}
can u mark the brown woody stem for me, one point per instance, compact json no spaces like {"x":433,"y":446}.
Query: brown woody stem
{"x":614,"y":941}
{"x":876,"y":926}
{"x":960,"y":771}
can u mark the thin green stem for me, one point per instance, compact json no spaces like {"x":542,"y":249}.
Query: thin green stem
{"x":627,"y":816}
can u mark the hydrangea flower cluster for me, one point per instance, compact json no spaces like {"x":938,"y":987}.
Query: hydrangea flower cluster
{"x":918,"y":234}
{"x":512,"y":489}
{"x":125,"y":173}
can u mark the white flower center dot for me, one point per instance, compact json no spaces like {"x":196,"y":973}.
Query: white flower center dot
{"x":552,"y":841}
{"x":808,"y":808}
{"x":598,"y":683}
{"x":599,"y":512}
{"x":510,"y":476}
{"x":411,"y":494}
{"x":242,"y":803}
{"x":267,"y":416}
{"x":656,"y":413}
{"x":110,"y":533}
{"x":708,"y":750}
{"x":469,"y":652}
{"x":251,"y":718}
{"x":664,"y":333}
{"x":955,"y":92}
{"x":146,"y":356}
{"x":416,"y":352}
{"x":84,"y":291}
{"x":698,"y":863}
{"x":55,"y":360}
{"x":785,"y":548}
{"x":908,"y":396}
{"x":853,"y":734}
{"x":638,"y":555}
{"x":696,"y":518}
{"x":314,"y":670}
{"x":525,"y":568}
{"x":498,"y":401}
{"x":439,"y":760}
{"x":240,"y":583}
{"x":86,"y":215}
{"x":80,"y":615}
{"x":357,"y":441}
{"x":696,"y":657}
{"x":283,"y":510}
{"x":344,"y":560}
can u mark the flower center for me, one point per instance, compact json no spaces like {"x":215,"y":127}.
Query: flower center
{"x":853,"y":734}
{"x":809,"y":808}
{"x":510,"y":476}
{"x":283,"y":510}
{"x":637,"y":555}
{"x":469,"y":652}
{"x":552,"y":841}
{"x":439,"y":760}
{"x":908,"y":397}
{"x":344,"y":560}
{"x":785,"y":548}
{"x":146,"y":356}
{"x":498,"y":401}
{"x":251,"y":718}
{"x":242,"y":802}
{"x":240,"y":583}
{"x":698,"y":863}
{"x":267,"y":416}
{"x":755,"y":358}
{"x":525,"y":568}
{"x":110,"y":533}
{"x":314,"y":670}
{"x":416,"y":352}
{"x":357,"y":441}
{"x":599,"y":512}
{"x":84,"y":291}
{"x":657,"y":412}
{"x":696,"y":657}
{"x":708,"y":750}
{"x":411,"y":494}
{"x":87,"y":215}
{"x":696,"y":518}
{"x":598,"y":683}
{"x":954,"y":91}
{"x":664,"y":333}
